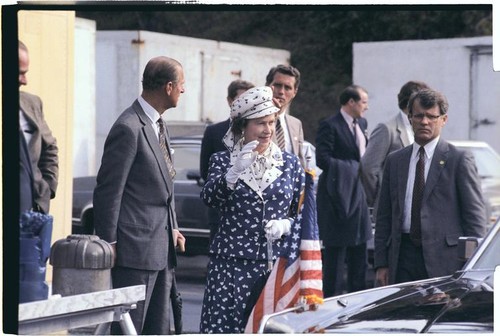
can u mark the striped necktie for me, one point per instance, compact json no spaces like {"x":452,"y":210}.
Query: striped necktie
{"x":416,"y":201}
{"x":280,"y":135}
{"x":164,"y":149}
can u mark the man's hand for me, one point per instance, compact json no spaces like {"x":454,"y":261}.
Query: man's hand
{"x":381,"y":277}
{"x":276,"y":102}
{"x":179,"y":240}
{"x":113,"y":247}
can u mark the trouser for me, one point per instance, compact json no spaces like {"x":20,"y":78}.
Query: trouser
{"x":411,"y":265}
{"x":152,"y":315}
{"x":335,"y":259}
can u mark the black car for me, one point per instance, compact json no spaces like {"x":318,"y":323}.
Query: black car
{"x":459,"y":303}
{"x":192,"y":213}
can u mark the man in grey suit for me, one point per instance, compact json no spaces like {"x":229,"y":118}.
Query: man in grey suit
{"x":42,"y":146}
{"x":284,"y":80}
{"x":385,"y":139}
{"x":134,"y":197}
{"x":430,"y":196}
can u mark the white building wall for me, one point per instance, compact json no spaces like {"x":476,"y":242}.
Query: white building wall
{"x":445,"y":65}
{"x":84,"y":119}
{"x":209,"y":67}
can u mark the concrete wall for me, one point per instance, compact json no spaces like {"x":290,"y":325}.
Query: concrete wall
{"x":460,"y":68}
{"x":84,"y":121}
{"x":49,"y":36}
{"x":209,"y":67}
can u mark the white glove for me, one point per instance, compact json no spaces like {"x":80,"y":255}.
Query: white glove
{"x":276,"y":228}
{"x":245,"y":158}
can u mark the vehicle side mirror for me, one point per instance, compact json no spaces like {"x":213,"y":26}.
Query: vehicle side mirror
{"x":467,"y":246}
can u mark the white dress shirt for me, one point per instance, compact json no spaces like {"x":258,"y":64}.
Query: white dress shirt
{"x":429,"y":153}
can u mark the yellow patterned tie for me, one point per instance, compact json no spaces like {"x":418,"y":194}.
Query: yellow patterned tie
{"x":164,"y":149}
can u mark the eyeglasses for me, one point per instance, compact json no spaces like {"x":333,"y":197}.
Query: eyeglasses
{"x":430,"y":117}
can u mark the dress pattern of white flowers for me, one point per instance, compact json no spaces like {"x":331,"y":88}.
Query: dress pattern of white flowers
{"x":269,"y":189}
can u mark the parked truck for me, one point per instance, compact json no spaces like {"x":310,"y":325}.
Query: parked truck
{"x":461,"y":68}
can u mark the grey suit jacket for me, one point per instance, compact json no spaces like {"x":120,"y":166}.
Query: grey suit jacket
{"x":296,"y":133}
{"x":385,"y":139}
{"x":133,"y":198}
{"x":452,"y":206}
{"x":43,"y":151}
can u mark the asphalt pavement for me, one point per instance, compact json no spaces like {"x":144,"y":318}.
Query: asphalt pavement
{"x":190,"y":275}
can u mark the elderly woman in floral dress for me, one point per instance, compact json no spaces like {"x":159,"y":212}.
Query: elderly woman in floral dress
{"x":256,"y":187}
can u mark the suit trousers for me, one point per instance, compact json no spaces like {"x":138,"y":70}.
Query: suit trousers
{"x":152,"y":316}
{"x":411,"y":265}
{"x":335,"y":259}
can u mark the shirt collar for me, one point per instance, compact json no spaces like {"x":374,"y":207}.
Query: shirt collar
{"x":282,"y":118}
{"x":150,"y":111}
{"x":347,"y":117}
{"x":429,"y":148}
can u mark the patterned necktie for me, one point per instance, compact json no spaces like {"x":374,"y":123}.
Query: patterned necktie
{"x":358,"y":137}
{"x":416,"y":201}
{"x":280,"y":135}
{"x":164,"y":149}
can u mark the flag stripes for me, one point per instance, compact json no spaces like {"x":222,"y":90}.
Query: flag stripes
{"x":299,"y":274}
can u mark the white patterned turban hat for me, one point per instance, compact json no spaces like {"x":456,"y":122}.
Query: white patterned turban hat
{"x":254,"y":103}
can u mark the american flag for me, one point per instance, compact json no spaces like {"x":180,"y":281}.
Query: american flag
{"x":296,"y":277}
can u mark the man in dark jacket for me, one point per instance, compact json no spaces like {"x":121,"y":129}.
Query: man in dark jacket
{"x":343,"y":217}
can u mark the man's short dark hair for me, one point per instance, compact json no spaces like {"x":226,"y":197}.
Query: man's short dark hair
{"x":351,"y":92}
{"x":286,"y":70}
{"x":406,"y":91}
{"x":236,"y":85}
{"x":159,"y":71}
{"x":428,"y":98}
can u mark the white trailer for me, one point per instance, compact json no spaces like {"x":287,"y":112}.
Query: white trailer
{"x":108,"y":73}
{"x":461,"y":68}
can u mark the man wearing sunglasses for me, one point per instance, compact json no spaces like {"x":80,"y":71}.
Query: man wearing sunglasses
{"x":430,"y":196}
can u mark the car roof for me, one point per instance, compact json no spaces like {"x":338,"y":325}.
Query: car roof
{"x":186,"y":139}
{"x":469,"y":143}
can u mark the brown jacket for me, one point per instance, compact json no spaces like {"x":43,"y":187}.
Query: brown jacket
{"x":43,"y":151}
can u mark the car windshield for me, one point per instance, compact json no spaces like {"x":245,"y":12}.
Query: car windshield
{"x":487,"y":161}
{"x":490,"y":257}
{"x":186,"y":158}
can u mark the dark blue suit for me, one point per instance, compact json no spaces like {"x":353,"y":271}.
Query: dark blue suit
{"x":343,"y":217}
{"x":210,"y":144}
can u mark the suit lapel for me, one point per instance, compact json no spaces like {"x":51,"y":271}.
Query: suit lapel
{"x":152,"y":140}
{"x":292,"y":132}
{"x":269,"y":176}
{"x":346,"y":133}
{"x":29,"y":114}
{"x":403,"y":163}
{"x":437,"y":165}
{"x":401,"y":129}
